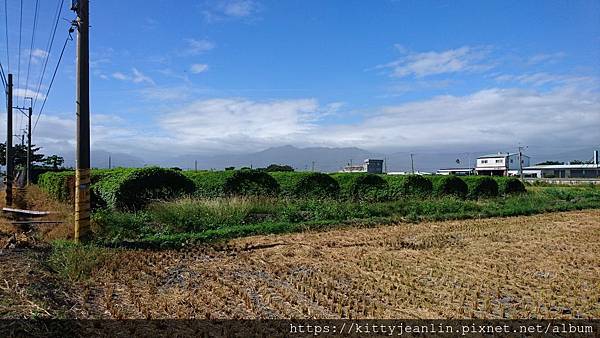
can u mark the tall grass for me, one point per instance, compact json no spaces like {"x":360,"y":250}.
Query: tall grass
{"x":233,"y":217}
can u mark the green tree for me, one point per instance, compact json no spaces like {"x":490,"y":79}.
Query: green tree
{"x":277,"y":167}
{"x":20,"y":155}
{"x":54,"y":161}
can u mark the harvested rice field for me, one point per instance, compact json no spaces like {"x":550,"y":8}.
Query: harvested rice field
{"x":543,"y":266}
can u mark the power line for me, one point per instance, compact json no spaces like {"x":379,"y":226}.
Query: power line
{"x":20,"y":33}
{"x":6,"y":31}
{"x":35,"y":18}
{"x":53,"y":76}
{"x":48,"y":51}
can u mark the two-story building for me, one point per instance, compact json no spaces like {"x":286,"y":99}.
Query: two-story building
{"x":369,"y":166}
{"x":501,"y":164}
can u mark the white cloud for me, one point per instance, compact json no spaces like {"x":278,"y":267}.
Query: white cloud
{"x":542,"y":78}
{"x":135,"y":77}
{"x":238,"y":124}
{"x":139,"y":77}
{"x":546,"y":58}
{"x":230,"y":9}
{"x":195,"y":47}
{"x":198,"y":68}
{"x":419,"y":65}
{"x":120,"y":76}
{"x":22,"y":92}
{"x":39,"y":53}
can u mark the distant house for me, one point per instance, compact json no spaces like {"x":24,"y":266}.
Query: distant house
{"x":500,"y":164}
{"x":409,"y":173}
{"x":369,"y":166}
{"x":457,"y":171}
{"x":584,"y":170}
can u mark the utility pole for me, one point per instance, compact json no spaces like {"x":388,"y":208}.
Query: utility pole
{"x":9,"y":150}
{"x":521,"y":162}
{"x":195,"y":165}
{"x":385,"y":164}
{"x":412,"y":163}
{"x":82,"y":173}
{"x":29,"y":114}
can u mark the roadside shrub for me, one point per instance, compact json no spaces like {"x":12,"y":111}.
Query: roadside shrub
{"x":416,"y":185}
{"x":369,"y":187}
{"x":251,"y":183}
{"x":306,"y":184}
{"x":451,"y":185}
{"x":133,"y":189}
{"x":57,"y":185}
{"x":317,"y":185}
{"x":209,"y":183}
{"x":482,"y":186}
{"x":511,"y":185}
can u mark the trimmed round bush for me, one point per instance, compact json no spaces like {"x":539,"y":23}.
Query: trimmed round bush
{"x":512,"y":185}
{"x":317,"y":185}
{"x":416,"y":185}
{"x":482,"y":186}
{"x":306,"y":184}
{"x":451,"y":185}
{"x":209,"y":184}
{"x":251,"y":183}
{"x":132,"y":189}
{"x":369,"y":187}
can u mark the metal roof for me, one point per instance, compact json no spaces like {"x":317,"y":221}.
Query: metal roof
{"x":563,"y":166}
{"x":501,"y":155}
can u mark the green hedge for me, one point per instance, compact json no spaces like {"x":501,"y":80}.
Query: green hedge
{"x":251,"y":183}
{"x":510,"y":185}
{"x":307,"y":184}
{"x":120,"y":188}
{"x":417,"y":185}
{"x":209,"y":184}
{"x":58,"y":185}
{"x":132,"y":189}
{"x":362,"y":186}
{"x":450,"y":185}
{"x":482,"y":186}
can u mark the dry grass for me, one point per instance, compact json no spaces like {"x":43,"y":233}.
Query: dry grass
{"x":544,"y":266}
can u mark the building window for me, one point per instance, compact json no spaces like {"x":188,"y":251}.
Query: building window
{"x":498,"y":161}
{"x":483,"y":161}
{"x":511,"y":161}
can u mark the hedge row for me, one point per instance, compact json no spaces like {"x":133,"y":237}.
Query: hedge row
{"x":132,"y":189}
{"x":122,"y":188}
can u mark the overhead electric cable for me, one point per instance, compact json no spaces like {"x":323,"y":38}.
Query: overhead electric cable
{"x":48,"y":52}
{"x":6,"y":32}
{"x":52,"y":80}
{"x":19,"y":60}
{"x":35,"y":18}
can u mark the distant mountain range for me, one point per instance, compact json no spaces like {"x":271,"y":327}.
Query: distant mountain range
{"x":323,"y":158}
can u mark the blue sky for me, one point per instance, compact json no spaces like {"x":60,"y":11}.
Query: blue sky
{"x":234,"y":76}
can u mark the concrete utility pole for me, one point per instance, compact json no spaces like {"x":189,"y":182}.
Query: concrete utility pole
{"x":521,"y":162}
{"x":29,"y":114}
{"x":82,"y":173}
{"x":412,"y":163}
{"x":9,"y":133}
{"x":195,"y":165}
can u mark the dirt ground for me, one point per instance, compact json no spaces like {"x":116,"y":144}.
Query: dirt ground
{"x":544,"y":266}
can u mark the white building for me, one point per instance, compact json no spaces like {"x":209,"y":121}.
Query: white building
{"x":500,"y":164}
{"x":577,"y":171}
{"x":456,"y":171}
{"x":369,"y":166}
